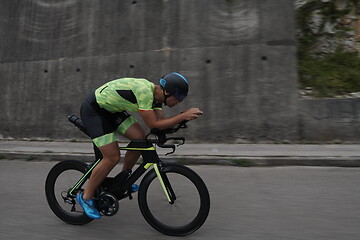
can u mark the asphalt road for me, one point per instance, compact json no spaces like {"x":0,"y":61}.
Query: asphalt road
{"x":247,"y":203}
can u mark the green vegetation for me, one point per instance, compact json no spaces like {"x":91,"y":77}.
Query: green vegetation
{"x":334,"y":74}
{"x":30,"y":158}
{"x":329,"y":74}
{"x":242,"y":163}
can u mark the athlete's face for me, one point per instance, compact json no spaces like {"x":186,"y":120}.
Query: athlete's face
{"x":171,"y":101}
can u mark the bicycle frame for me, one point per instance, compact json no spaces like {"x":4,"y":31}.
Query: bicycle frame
{"x":61,"y":196}
{"x":150,"y":158}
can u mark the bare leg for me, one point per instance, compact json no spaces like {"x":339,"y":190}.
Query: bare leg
{"x":111,"y":157}
{"x":131,"y":157}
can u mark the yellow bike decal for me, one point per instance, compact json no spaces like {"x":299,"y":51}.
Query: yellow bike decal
{"x":162,"y":182}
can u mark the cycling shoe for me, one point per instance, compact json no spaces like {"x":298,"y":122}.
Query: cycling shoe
{"x":134,"y":188}
{"x":88,"y":206}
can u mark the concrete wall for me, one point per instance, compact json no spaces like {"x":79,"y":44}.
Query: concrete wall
{"x":238,"y":55}
{"x":329,"y":120}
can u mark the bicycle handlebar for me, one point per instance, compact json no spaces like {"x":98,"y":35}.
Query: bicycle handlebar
{"x":157,"y":131}
{"x":162,"y":139}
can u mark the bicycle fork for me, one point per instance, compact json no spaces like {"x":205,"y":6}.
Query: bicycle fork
{"x":164,"y":181}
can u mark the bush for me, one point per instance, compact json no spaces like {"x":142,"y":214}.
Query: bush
{"x":337,"y":73}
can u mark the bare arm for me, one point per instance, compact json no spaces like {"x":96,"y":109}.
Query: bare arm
{"x":152,"y":121}
{"x":159,"y":114}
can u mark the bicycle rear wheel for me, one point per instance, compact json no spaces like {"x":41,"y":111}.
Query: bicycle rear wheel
{"x":59,"y":181}
{"x":190,"y":208}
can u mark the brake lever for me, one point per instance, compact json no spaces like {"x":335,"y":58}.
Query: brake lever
{"x":173,"y":150}
{"x":172,"y":146}
{"x":178,"y":138}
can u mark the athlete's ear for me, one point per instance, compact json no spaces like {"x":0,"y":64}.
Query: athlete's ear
{"x":166,"y":93}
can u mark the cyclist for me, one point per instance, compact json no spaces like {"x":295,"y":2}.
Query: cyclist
{"x":105,"y":112}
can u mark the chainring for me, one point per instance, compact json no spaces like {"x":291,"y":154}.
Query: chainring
{"x":108,"y":204}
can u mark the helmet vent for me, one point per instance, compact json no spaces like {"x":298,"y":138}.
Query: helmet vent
{"x":162,"y":82}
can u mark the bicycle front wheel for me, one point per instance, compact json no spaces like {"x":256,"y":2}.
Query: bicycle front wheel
{"x":191,"y":205}
{"x":59,"y":181}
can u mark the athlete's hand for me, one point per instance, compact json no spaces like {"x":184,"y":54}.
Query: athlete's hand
{"x":192,"y":113}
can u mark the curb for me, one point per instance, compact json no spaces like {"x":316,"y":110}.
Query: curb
{"x":241,"y":161}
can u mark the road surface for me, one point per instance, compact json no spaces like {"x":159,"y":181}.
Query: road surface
{"x":321,"y":203}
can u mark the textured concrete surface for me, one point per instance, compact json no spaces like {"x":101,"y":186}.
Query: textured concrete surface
{"x":329,"y":119}
{"x":238,"y":55}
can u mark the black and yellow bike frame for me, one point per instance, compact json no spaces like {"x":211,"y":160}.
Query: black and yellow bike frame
{"x":150,"y":159}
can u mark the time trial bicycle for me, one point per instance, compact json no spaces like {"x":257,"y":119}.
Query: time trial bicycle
{"x":172,"y":198}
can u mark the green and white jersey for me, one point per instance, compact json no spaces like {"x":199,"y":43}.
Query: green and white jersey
{"x":127,"y":94}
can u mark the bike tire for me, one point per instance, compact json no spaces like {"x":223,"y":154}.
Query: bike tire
{"x":54,"y":187}
{"x":199,"y":198}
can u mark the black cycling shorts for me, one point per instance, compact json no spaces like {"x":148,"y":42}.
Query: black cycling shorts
{"x":101,"y":124}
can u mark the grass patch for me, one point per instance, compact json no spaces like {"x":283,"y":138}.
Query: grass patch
{"x":30,"y":158}
{"x":335,"y":74}
{"x":242,"y":163}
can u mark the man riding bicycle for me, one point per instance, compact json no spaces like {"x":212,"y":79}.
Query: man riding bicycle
{"x":105,"y":112}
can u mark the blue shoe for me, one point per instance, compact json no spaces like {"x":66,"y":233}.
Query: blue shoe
{"x":88,"y":206}
{"x":134,"y":188}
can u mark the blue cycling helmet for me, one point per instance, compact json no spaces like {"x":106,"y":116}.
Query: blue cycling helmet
{"x":175,"y":84}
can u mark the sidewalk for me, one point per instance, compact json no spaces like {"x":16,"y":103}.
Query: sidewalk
{"x":342,"y":155}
